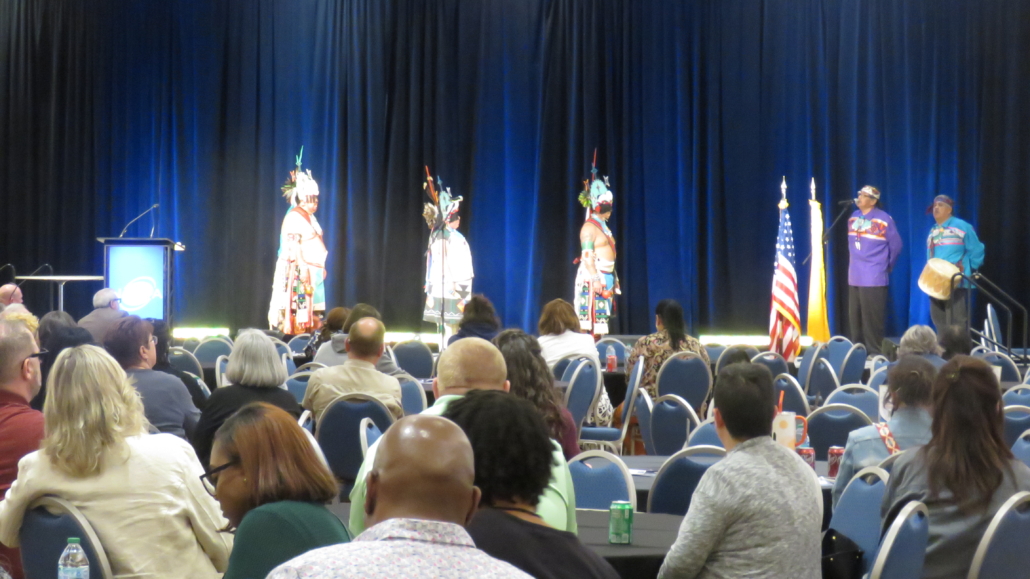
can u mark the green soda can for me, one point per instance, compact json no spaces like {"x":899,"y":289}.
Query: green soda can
{"x":620,"y":523}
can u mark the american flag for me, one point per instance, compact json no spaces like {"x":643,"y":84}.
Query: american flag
{"x":785,"y":316}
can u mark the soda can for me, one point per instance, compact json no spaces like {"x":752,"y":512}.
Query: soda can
{"x":834,"y":455}
{"x":620,"y":523}
{"x":808,"y":454}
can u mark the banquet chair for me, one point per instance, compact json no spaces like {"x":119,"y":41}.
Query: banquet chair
{"x":310,"y":367}
{"x":830,"y":426}
{"x":200,"y":382}
{"x":857,"y":514}
{"x":583,"y":392}
{"x":281,"y":347}
{"x":1017,"y":396}
{"x":221,"y":363}
{"x":1009,"y":370}
{"x":704,"y":435}
{"x":878,"y":361}
{"x":814,"y":352}
{"x":727,"y":354}
{"x":413,"y":397}
{"x":822,"y":380}
{"x":672,"y":419}
{"x":298,"y":343}
{"x":602,"y":349}
{"x":190,"y":344}
{"x":854,"y":364}
{"x":837,"y":349}
{"x":338,"y":432}
{"x":291,"y":366}
{"x":643,"y":409}
{"x":714,"y":351}
{"x":678,"y":477}
{"x":609,"y":436}
{"x":210,"y":349}
{"x":48,"y":524}
{"x":369,"y":434}
{"x":877,"y":378}
{"x":686,"y":375}
{"x":597,"y":486}
{"x":415,"y":358}
{"x":887,"y":464}
{"x":794,"y":399}
{"x":1017,"y":421}
{"x":184,"y":361}
{"x":297,"y":384}
{"x":1002,"y":551}
{"x":773,"y":361}
{"x":903,"y":549}
{"x":1021,"y":449}
{"x":862,"y":397}
{"x":562,"y":365}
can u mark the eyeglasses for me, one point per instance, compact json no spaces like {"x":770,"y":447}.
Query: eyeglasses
{"x":38,"y":354}
{"x":210,"y":478}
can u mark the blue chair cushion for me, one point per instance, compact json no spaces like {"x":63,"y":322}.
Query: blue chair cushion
{"x":603,"y":433}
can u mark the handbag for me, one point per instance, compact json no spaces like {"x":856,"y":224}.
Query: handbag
{"x":842,"y":557}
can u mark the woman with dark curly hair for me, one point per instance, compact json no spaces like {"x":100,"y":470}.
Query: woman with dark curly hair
{"x":479,"y":319}
{"x":513,"y":466}
{"x":530,"y":379}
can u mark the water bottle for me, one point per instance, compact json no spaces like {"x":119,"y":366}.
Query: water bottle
{"x":610,"y":359}
{"x":73,"y":563}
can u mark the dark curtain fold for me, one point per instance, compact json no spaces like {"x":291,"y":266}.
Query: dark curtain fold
{"x":696,"y":110}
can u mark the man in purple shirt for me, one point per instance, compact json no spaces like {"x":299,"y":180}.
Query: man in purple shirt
{"x":874,"y":245}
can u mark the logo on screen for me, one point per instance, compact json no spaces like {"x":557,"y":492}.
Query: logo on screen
{"x":138,"y":293}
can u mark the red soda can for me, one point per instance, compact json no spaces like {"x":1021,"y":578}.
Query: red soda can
{"x":808,"y":454}
{"x":834,"y":456}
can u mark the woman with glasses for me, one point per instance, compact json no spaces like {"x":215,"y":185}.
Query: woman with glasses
{"x":964,"y":474}
{"x":273,"y":489}
{"x":141,"y":493}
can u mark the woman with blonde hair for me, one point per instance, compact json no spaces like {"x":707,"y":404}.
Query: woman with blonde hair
{"x":142,"y":493}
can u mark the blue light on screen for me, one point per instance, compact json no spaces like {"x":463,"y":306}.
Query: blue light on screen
{"x":137,"y":274}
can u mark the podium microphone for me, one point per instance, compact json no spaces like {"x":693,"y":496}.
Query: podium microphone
{"x":37,"y":270}
{"x":135,"y":219}
{"x":845,"y":202}
{"x":14,"y":272}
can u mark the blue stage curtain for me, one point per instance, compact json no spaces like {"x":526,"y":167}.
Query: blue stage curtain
{"x":696,"y":108}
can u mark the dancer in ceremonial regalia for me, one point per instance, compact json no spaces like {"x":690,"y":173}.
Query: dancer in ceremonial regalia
{"x":596,"y":280}
{"x":298,"y":291}
{"x":448,"y":260}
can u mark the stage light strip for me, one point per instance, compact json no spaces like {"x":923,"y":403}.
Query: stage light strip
{"x":198,"y":333}
{"x":757,"y":341}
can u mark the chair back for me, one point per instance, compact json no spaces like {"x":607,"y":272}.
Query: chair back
{"x":1017,"y":396}
{"x":1009,"y":370}
{"x":686,"y":375}
{"x":794,"y":399}
{"x":1021,"y":449}
{"x":676,"y":480}
{"x":562,"y":365}
{"x":291,"y":366}
{"x":281,"y":347}
{"x":184,"y":361}
{"x":830,"y":426}
{"x":854,"y":364}
{"x":887,"y":464}
{"x":221,"y":364}
{"x":773,"y":361}
{"x":979,"y":351}
{"x":1017,"y":421}
{"x":822,"y":380}
{"x":643,"y":410}
{"x":583,"y":391}
{"x":1002,"y":551}
{"x":190,"y":344}
{"x":617,"y":345}
{"x":298,"y":343}
{"x":903,"y":549}
{"x":203,"y":385}
{"x":297,"y":384}
{"x":877,"y":378}
{"x":48,"y":524}
{"x":671,"y":421}
{"x":814,"y":352}
{"x":704,"y":435}
{"x":415,"y":358}
{"x":338,"y":431}
{"x":369,"y":434}
{"x":714,"y":351}
{"x":600,"y":482}
{"x":878,"y":361}
{"x":857,"y":514}
{"x":413,"y":397}
{"x":862,"y":397}
{"x":724,"y":358}
{"x":210,"y":349}
{"x":836,"y":351}
{"x":311,"y":367}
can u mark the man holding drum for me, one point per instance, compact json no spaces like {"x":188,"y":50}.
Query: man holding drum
{"x":874,"y":246}
{"x":954,"y":241}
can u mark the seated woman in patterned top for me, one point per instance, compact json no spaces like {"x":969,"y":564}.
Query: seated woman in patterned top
{"x":656,"y":348}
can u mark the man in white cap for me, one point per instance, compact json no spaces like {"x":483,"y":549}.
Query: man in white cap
{"x":874,"y":246}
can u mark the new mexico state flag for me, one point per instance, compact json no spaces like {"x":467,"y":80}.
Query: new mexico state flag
{"x":818,"y":323}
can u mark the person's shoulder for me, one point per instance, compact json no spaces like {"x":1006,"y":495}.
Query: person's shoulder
{"x":863,"y":434}
{"x":324,"y":562}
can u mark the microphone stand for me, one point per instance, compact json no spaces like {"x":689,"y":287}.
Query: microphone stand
{"x":137,"y":218}
{"x":826,"y":234}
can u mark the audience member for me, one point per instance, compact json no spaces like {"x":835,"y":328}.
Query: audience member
{"x":909,"y":383}
{"x":560,"y":334}
{"x":513,"y":464}
{"x":272,"y":487}
{"x":334,"y":352}
{"x":21,"y":427}
{"x":105,"y":314}
{"x":59,"y":340}
{"x":735,"y":526}
{"x":964,"y":473}
{"x":10,"y":294}
{"x":954,"y":340}
{"x":255,"y":374}
{"x":19,"y":313}
{"x":333,"y":325}
{"x":163,"y":364}
{"x":142,"y":493}
{"x":166,"y":401}
{"x":475,"y":364}
{"x":358,"y":374}
{"x":478,"y":319}
{"x":530,"y":379}
{"x":656,"y":348}
{"x":921,"y":341}
{"x":49,"y":324}
{"x":420,"y":496}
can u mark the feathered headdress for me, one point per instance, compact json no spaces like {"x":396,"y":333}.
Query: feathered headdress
{"x":595,"y":191}
{"x":443,"y":204}
{"x":300,"y":183}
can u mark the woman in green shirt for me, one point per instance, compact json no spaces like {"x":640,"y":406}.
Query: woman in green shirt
{"x":272,"y":488}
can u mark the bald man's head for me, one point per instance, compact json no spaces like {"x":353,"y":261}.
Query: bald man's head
{"x":423,"y":469}
{"x":10,"y":294}
{"x":365,"y":340}
{"x":470,"y":364}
